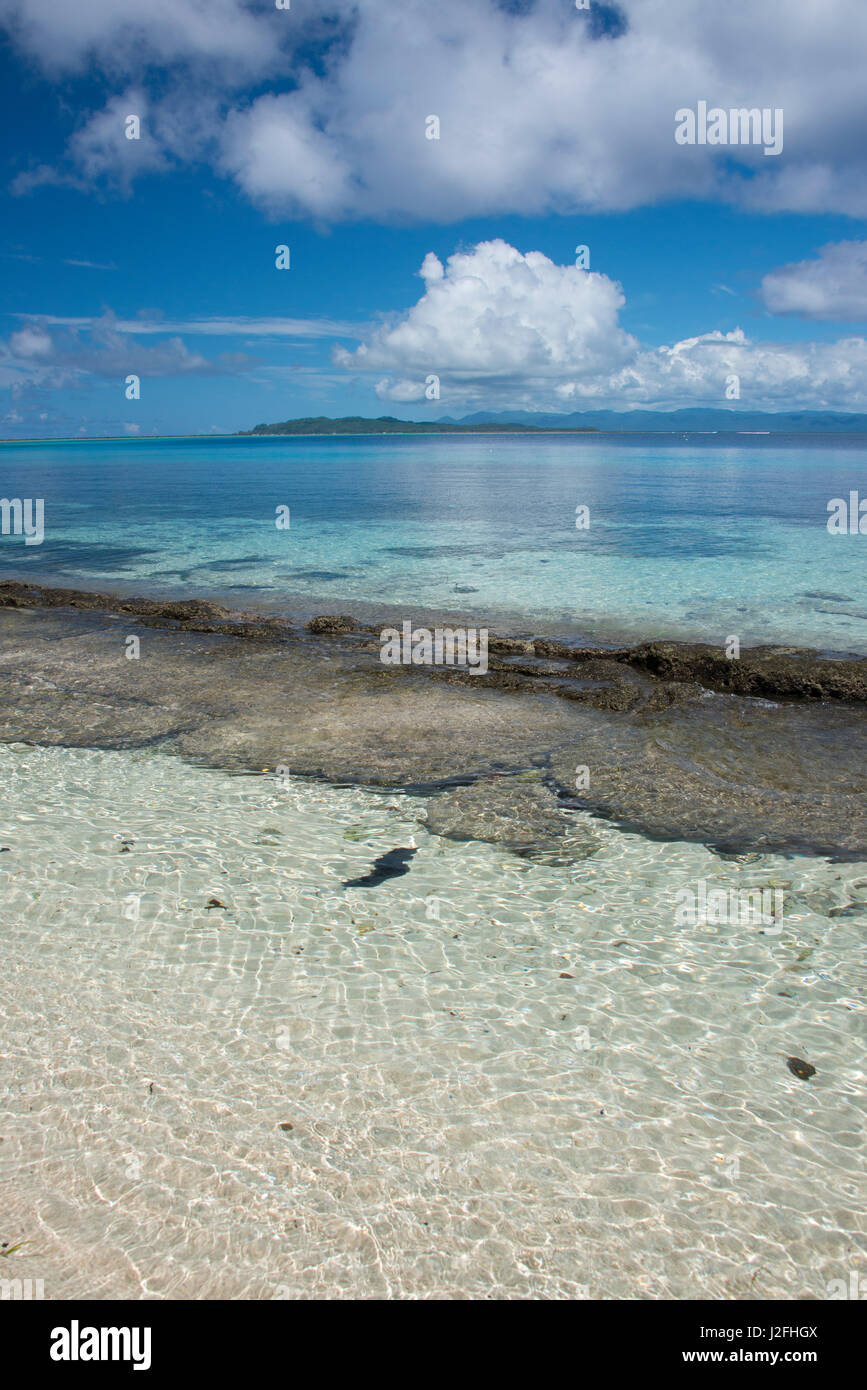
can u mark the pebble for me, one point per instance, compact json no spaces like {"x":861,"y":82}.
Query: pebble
{"x":798,"y":1067}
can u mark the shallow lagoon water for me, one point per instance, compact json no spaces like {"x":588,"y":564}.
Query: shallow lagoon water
{"x":691,"y":536}
{"x":503,"y":1078}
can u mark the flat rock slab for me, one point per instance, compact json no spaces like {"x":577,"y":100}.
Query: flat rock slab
{"x":523,"y":816}
{"x":666,"y":755}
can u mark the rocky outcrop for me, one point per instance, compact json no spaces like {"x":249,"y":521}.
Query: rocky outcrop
{"x":662,"y":738}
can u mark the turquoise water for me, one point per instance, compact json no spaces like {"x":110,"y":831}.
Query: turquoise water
{"x":491,"y":1077}
{"x":697,"y":536}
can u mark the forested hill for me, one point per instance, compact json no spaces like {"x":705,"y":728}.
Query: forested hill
{"x":387,"y":424}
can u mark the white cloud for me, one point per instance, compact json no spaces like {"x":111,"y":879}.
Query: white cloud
{"x":499,"y":328}
{"x":212,"y":327}
{"x":282,"y":160}
{"x":540,"y":109}
{"x":124,"y":37}
{"x":101,"y":149}
{"x":504,"y":330}
{"x":771,"y":376}
{"x":31,"y":341}
{"x":404,"y":391}
{"x":493,"y":313}
{"x":833,"y":286}
{"x":83,"y":348}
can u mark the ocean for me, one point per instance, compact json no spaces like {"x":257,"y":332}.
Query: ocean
{"x":501,"y":1074}
{"x":696,"y":537}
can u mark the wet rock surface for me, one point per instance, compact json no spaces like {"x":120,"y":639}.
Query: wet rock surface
{"x":334,"y":624}
{"x":764,"y":753}
{"x":523,"y":816}
{"x":772,"y":672}
{"x":735,"y":774}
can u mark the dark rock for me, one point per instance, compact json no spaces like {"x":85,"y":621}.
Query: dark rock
{"x":543,"y":647}
{"x":671,"y":693}
{"x":798,"y":1067}
{"x":390,"y":865}
{"x":771,"y":672}
{"x":621,"y":696}
{"x":510,"y":646}
{"x":334,"y":624}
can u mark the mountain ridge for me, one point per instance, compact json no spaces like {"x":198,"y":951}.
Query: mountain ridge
{"x":689,"y":419}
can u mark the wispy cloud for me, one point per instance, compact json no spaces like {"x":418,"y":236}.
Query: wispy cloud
{"x":86,"y":265}
{"x":216,"y":327}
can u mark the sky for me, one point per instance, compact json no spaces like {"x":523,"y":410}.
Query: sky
{"x":433,"y":167}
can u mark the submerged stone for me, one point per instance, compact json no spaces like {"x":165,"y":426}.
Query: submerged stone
{"x":390,"y":865}
{"x":522,"y":816}
{"x":798,"y":1067}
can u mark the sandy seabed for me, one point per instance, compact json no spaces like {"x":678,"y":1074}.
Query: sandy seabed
{"x":489,"y":1077}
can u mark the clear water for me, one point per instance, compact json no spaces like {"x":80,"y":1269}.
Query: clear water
{"x":696,"y":536}
{"x":504,"y":1078}
{"x":466,"y":1122}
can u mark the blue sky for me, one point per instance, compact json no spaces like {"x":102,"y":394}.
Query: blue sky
{"x":308,"y":128}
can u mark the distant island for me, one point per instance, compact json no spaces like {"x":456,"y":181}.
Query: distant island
{"x":697,"y":419}
{"x":387,"y":424}
{"x":691,"y":420}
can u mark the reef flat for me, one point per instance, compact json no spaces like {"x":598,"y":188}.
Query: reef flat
{"x":758,"y":754}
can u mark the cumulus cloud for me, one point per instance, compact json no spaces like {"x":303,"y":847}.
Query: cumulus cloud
{"x":499,"y":328}
{"x":494,"y":314}
{"x":833,"y":286}
{"x":502,"y":329}
{"x":282,"y":159}
{"x":542,"y":107}
{"x":770,"y":376}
